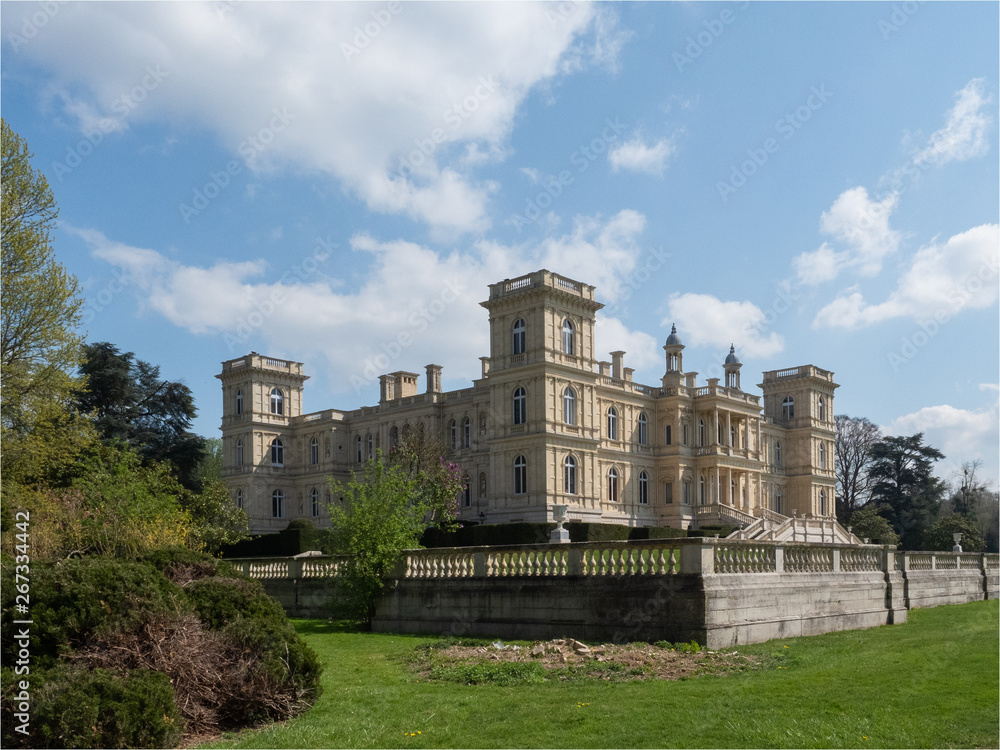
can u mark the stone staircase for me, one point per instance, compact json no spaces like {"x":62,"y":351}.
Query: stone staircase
{"x":773,"y":527}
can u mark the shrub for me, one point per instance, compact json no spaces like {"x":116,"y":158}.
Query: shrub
{"x":220,"y":601}
{"x":181,"y":565}
{"x":939,"y":536}
{"x":492,"y":673}
{"x":73,"y":600}
{"x":96,"y":708}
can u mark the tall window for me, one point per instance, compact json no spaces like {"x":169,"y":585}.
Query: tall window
{"x":371,"y":445}
{"x":239,"y":452}
{"x":358,"y":454}
{"x":686,"y":498}
{"x":520,"y":475}
{"x":568,"y":345}
{"x":520,"y":404}
{"x":777,"y":501}
{"x":518,"y":337}
{"x":277,"y":504}
{"x":453,"y":434}
{"x":667,"y":436}
{"x":668,"y":493}
{"x":822,"y":502}
{"x":701,"y":432}
{"x":777,"y":454}
{"x":277,"y":401}
{"x":467,"y":432}
{"x":612,"y":423}
{"x":467,"y":493}
{"x":613,"y":484}
{"x":643,"y":488}
{"x":239,"y":498}
{"x":822,"y":456}
{"x":732,"y":435}
{"x":643,"y":430}
{"x":684,"y":441}
{"x":569,"y":475}
{"x":277,"y":453}
{"x":569,"y":406}
{"x":394,"y":437}
{"x":701,"y":490}
{"x":314,"y":451}
{"x":239,"y":402}
{"x":821,"y":409}
{"x":314,"y":502}
{"x":788,"y":408}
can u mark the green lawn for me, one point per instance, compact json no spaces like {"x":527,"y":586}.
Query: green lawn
{"x":930,"y":683}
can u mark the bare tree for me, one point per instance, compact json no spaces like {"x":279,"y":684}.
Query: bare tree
{"x":853,"y":443}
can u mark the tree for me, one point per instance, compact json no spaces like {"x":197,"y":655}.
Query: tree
{"x":900,"y":476}
{"x":130,"y":402}
{"x":852,"y":450}
{"x":868,"y":524}
{"x":40,"y":310}
{"x":386,"y":512}
{"x":215,"y":519}
{"x":940,"y":535}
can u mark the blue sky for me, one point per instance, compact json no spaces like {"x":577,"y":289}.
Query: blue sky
{"x":813,"y":182}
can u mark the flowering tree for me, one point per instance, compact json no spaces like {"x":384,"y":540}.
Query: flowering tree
{"x":386,"y":510}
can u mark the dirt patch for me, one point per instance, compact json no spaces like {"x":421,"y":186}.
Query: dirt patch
{"x":566,"y":659}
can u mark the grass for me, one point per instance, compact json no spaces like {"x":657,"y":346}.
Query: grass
{"x":932,"y":682}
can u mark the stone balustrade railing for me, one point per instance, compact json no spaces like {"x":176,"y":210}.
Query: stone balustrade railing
{"x":648,"y":558}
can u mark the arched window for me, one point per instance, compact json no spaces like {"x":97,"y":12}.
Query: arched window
{"x":520,"y":475}
{"x":788,"y":408}
{"x":466,"y":494}
{"x":643,"y":430}
{"x":822,"y":502}
{"x":777,"y":453}
{"x":643,"y":488}
{"x":239,"y":498}
{"x":518,"y":343}
{"x":777,"y":501}
{"x":822,"y":456}
{"x":314,"y":502}
{"x":394,"y":437}
{"x":701,"y":432}
{"x":277,"y":453}
{"x":569,"y":475}
{"x":277,"y":504}
{"x":239,"y":401}
{"x":701,"y":490}
{"x":314,"y":451}
{"x":667,"y":435}
{"x":520,"y":404}
{"x":613,"y":485}
{"x":358,"y":453}
{"x":371,"y":445}
{"x":821,"y":409}
{"x":612,"y":423}
{"x":467,"y":433}
{"x":569,"y":406}
{"x":453,"y":434}
{"x":277,"y":401}
{"x":239,"y":452}
{"x":568,"y":345}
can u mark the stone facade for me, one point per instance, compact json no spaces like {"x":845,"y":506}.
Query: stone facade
{"x":547,"y":424}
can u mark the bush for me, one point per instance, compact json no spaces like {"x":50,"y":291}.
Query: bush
{"x":939,"y":536}
{"x":96,"y":708}
{"x":181,"y":565}
{"x":74,"y":600}
{"x":220,"y":601}
{"x":656,"y":532}
{"x":710,"y":531}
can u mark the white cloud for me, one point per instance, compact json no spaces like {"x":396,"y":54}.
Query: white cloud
{"x":414,"y":306}
{"x":635,"y":155}
{"x":942,"y":280}
{"x":611,"y":335}
{"x":372,"y":98}
{"x":704,"y":320}
{"x":861,"y":225}
{"x":960,"y":434}
{"x":964,"y":134}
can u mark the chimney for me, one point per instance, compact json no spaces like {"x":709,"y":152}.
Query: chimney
{"x":387,"y":388}
{"x":485,"y":361}
{"x":690,"y":379}
{"x":628,"y":373}
{"x":605,"y":369}
{"x":433,"y":378}
{"x":616,"y":364}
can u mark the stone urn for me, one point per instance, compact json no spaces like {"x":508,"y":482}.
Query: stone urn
{"x":559,"y":535}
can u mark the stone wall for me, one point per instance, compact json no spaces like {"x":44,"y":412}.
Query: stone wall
{"x":718,"y":592}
